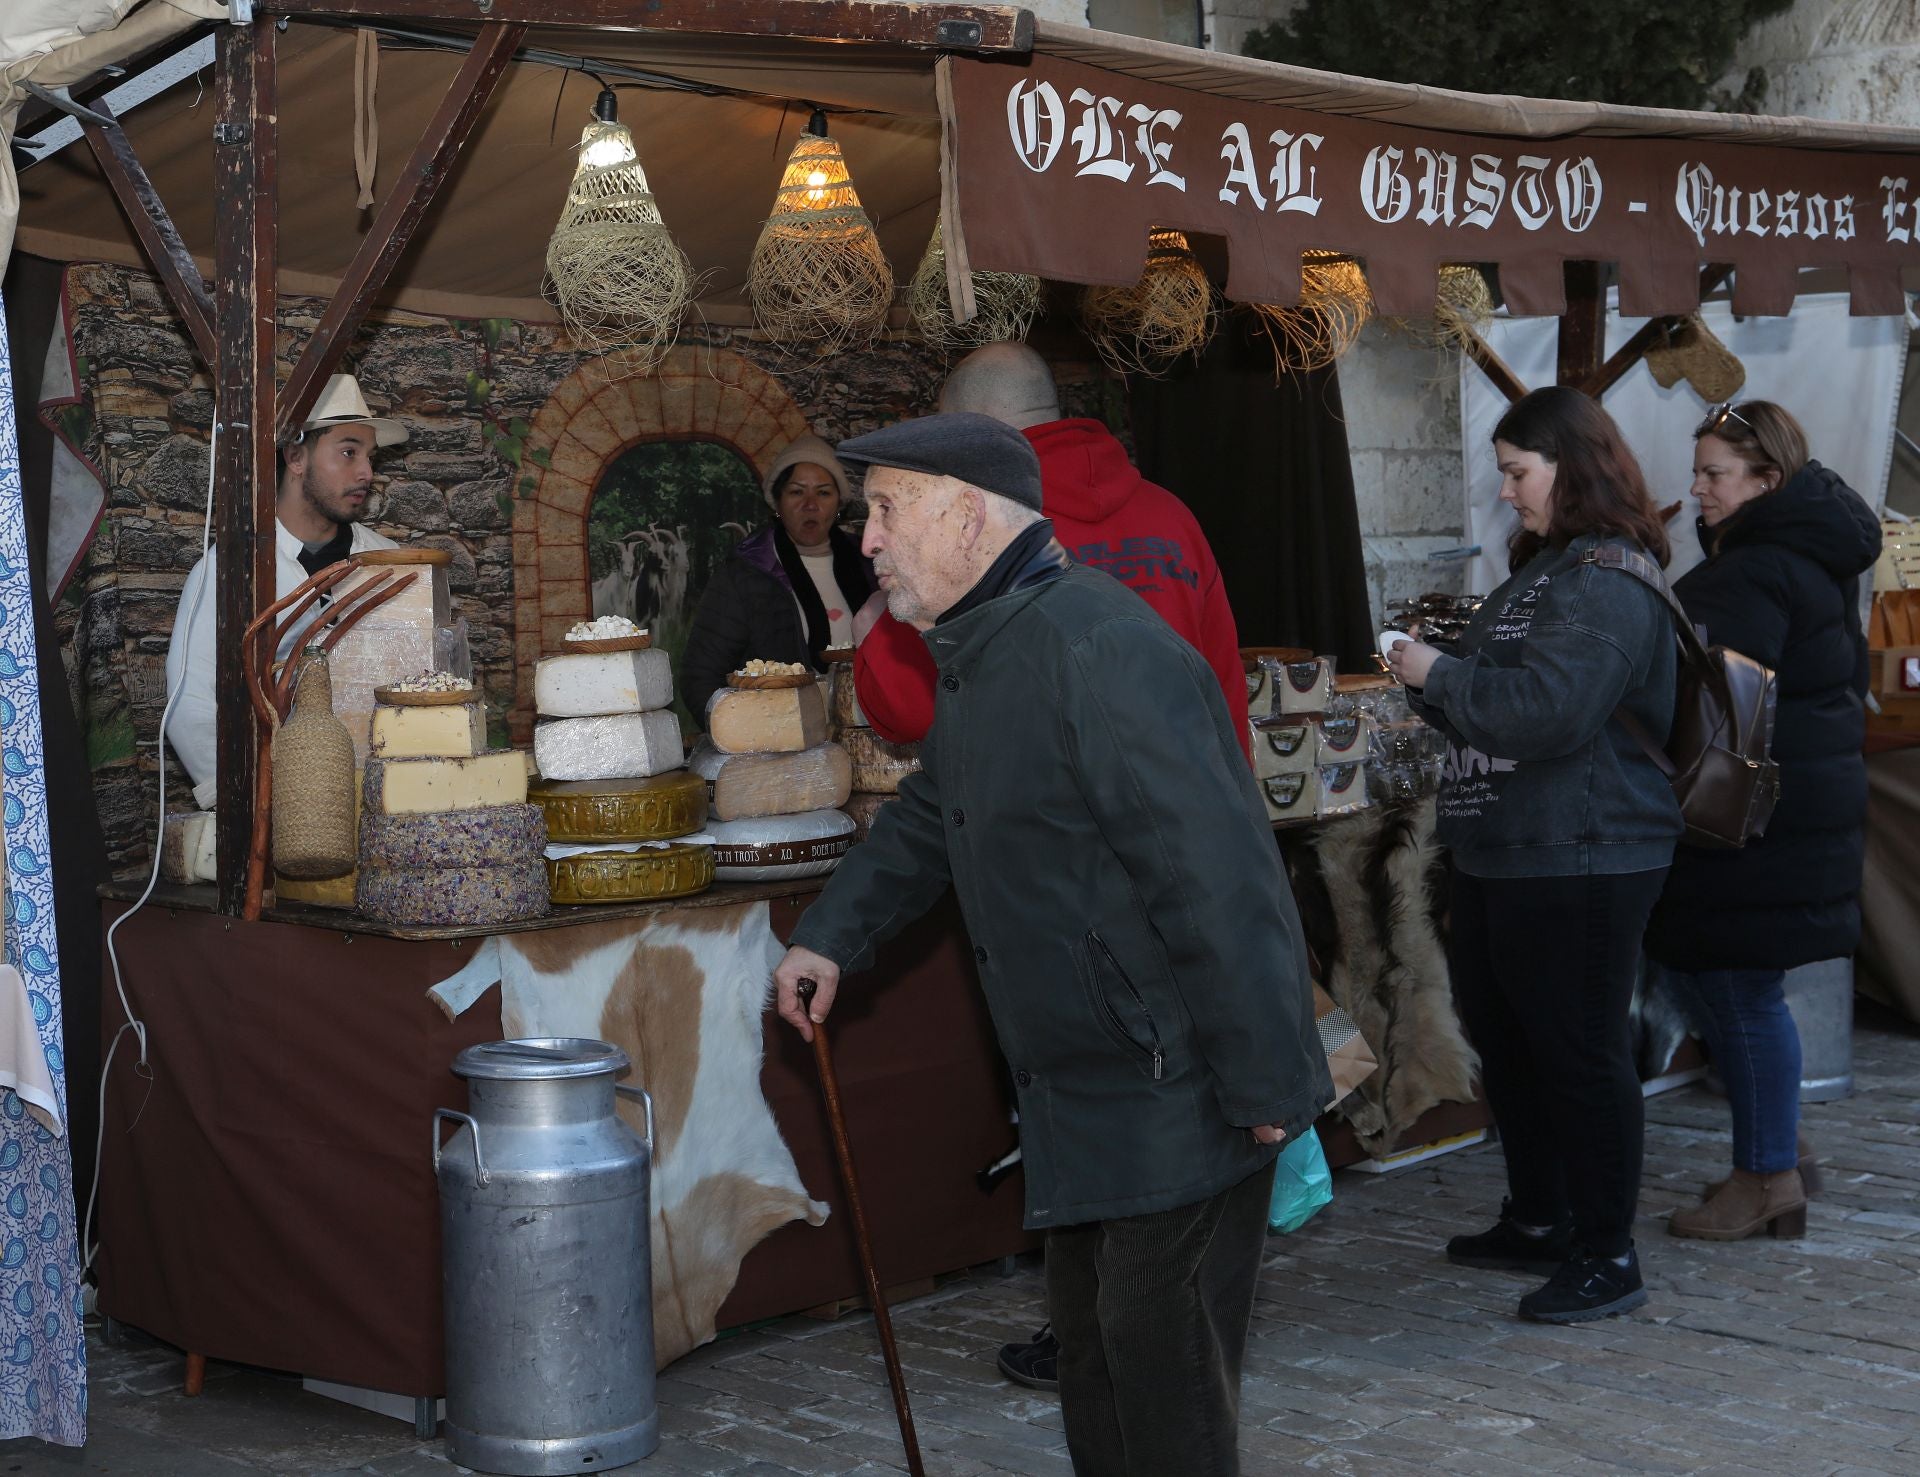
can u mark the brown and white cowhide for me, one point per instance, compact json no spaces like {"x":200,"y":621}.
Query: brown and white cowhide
{"x":683,"y":993}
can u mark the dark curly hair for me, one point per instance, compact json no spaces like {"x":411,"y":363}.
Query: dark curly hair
{"x":1598,"y":487}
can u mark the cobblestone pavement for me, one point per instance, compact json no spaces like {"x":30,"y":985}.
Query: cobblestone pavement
{"x":1370,"y":1354}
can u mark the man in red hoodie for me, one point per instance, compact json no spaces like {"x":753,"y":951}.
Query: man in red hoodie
{"x":1106,"y":515}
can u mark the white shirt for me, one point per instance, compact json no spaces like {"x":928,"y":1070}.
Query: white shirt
{"x":190,"y":652}
{"x":839,"y":616}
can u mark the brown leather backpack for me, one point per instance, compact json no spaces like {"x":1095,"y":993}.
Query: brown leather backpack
{"x":1719,"y":755}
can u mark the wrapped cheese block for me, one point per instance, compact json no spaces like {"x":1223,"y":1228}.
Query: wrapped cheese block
{"x":1342,"y":740}
{"x":1293,"y":796}
{"x":1305,"y":686}
{"x":862,"y":809}
{"x":656,"y":808}
{"x":780,"y":720}
{"x":619,"y":746}
{"x":447,"y":897}
{"x":776,"y":847}
{"x":748,"y":785}
{"x":410,"y":786}
{"x":590,"y":684}
{"x":487,"y":836}
{"x":186,"y":848}
{"x":450,"y":731}
{"x":651,"y":872}
{"x":1283,"y":746}
{"x":1343,"y":789}
{"x":878,"y":766}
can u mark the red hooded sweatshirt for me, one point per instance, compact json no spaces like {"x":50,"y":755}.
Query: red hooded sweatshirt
{"x":1110,"y":517}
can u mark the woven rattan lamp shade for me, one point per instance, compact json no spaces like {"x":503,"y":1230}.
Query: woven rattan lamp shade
{"x":818,"y":276}
{"x":1005,"y":303}
{"x":1168,"y":312}
{"x":620,"y":280}
{"x":1335,"y":304}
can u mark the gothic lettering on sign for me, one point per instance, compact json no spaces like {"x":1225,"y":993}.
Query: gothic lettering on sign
{"x":1153,"y":148}
{"x":1894,"y":207}
{"x":1384,"y":190}
{"x":1486,"y":190}
{"x":1709,"y":208}
{"x":1237,"y":149}
{"x":1038,"y":122}
{"x":1531,"y":207}
{"x":1102,"y":145}
{"x":1292,"y":191}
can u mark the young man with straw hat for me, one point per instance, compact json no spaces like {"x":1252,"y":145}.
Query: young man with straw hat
{"x":326,"y":474}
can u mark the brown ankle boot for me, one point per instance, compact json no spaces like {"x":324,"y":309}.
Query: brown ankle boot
{"x":1808,"y":1165}
{"x":1745,"y":1204}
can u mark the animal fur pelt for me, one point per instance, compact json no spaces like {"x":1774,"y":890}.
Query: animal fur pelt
{"x":1657,"y":1019}
{"x":1380,"y":949}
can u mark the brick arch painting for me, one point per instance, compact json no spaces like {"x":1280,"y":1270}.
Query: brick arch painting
{"x":588,"y":421}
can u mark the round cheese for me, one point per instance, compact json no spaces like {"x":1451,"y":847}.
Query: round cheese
{"x":658,"y":808}
{"x":489,"y":835}
{"x":446,"y":897}
{"x":773,"y":848}
{"x":630,"y":876}
{"x":878,"y":766}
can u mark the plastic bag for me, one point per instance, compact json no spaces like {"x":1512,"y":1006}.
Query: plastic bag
{"x":1302,"y":1183}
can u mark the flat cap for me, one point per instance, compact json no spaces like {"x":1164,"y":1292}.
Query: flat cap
{"x":977,"y":449}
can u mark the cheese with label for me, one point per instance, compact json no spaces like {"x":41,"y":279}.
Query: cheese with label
{"x":878,"y":766}
{"x":748,"y":785}
{"x":652,"y":872}
{"x":1292,"y":796}
{"x":446,"y":897}
{"x":657,"y":808}
{"x":186,"y":849}
{"x":451,"y":731}
{"x":774,"y":848}
{"x":1342,"y":740}
{"x":780,"y":720}
{"x":589,"y":684}
{"x":490,"y":835}
{"x":1283,"y":746}
{"x":1305,"y":686}
{"x":411,"y":786}
{"x":617,"y":746}
{"x":1343,"y":789}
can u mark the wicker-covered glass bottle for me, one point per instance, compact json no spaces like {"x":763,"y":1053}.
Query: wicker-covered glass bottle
{"x":313,"y":808}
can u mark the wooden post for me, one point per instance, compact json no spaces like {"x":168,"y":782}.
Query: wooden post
{"x":245,"y":180}
{"x":1583,"y":327}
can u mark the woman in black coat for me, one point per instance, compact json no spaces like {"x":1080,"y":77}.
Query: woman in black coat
{"x":788,"y":592}
{"x":1786,"y":541}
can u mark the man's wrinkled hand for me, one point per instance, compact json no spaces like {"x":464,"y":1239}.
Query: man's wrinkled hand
{"x":1269,"y":1133}
{"x":804,"y":964}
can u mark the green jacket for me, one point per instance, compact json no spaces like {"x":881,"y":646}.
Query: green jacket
{"x":1084,"y":792}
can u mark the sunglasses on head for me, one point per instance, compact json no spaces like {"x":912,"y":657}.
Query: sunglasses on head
{"x":1718,"y":416}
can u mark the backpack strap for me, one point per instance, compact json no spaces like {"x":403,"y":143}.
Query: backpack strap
{"x":1642,"y":568}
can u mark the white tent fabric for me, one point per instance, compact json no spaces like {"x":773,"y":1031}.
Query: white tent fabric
{"x":1840,"y":376}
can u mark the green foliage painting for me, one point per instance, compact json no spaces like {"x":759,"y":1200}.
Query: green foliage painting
{"x":666,"y":513}
{"x":1650,"y":53}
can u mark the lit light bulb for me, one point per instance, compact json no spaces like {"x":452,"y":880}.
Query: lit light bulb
{"x":612,"y":147}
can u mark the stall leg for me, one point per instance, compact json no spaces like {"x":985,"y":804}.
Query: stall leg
{"x":424,"y":1424}
{"x":196,"y":1373}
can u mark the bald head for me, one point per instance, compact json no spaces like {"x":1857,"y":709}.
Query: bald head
{"x":1009,"y":382}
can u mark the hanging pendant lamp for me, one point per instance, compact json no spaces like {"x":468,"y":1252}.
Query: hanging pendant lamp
{"x":1168,"y":312}
{"x":1005,"y":303}
{"x":1335,"y":304}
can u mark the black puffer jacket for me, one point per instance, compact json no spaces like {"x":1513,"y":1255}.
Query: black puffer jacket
{"x":1782,"y":585}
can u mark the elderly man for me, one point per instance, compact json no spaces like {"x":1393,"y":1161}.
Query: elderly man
{"x":325,"y":475}
{"x":1085,"y":794}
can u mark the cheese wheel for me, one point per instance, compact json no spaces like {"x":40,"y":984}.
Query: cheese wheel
{"x":630,"y":876}
{"x":592,"y":684}
{"x":186,"y":848}
{"x":450,"y":731}
{"x":878,"y":766}
{"x":775,"y":847}
{"x":621,"y":746}
{"x":657,"y":808}
{"x":748,"y":785}
{"x":492,"y":835}
{"x":328,"y":892}
{"x":449,"y":897}
{"x":409,"y":786}
{"x":863,"y":809}
{"x":781,"y":720}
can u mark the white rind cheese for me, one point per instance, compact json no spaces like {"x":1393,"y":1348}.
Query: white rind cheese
{"x":878,"y":766}
{"x":589,"y":684}
{"x":780,"y":720}
{"x":452,"y":731}
{"x":614,"y":747}
{"x":413,"y":786}
{"x":749,"y":785}
{"x":777,"y":847}
{"x":186,"y":850}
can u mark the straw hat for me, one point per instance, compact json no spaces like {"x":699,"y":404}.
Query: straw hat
{"x":342,"y":404}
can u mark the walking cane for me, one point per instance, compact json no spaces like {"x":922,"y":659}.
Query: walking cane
{"x":843,"y":1150}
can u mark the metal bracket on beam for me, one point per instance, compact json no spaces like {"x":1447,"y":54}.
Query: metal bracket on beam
{"x":959,"y":33}
{"x":57,"y":97}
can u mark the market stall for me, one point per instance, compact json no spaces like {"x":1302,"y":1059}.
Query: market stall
{"x":296,"y":1056}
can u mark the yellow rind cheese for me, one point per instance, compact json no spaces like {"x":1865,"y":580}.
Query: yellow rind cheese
{"x":781,"y":720}
{"x":413,"y":786}
{"x":451,"y":731}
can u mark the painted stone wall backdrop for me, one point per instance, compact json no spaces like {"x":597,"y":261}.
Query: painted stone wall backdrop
{"x":468,"y":392}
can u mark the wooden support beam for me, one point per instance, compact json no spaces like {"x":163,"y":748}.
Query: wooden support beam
{"x":1583,"y":327}
{"x":1634,"y":349}
{"x":1492,"y":365}
{"x":245,"y":194}
{"x":400,"y":215}
{"x":972,"y":28}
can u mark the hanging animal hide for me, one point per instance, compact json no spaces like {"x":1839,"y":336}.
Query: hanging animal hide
{"x":1379,"y":945}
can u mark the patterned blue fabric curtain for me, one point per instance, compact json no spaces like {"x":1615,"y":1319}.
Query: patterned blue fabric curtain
{"x":43,"y":1349}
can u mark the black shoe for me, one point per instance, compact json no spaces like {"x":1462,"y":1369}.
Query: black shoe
{"x":1507,"y":1248}
{"x":1035,"y":1364}
{"x":1588,"y":1286}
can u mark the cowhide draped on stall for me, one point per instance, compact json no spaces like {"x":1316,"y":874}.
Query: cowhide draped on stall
{"x":683,"y":993}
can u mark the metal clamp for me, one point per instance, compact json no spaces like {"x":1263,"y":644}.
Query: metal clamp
{"x":645,"y":1097}
{"x":479,"y":1165}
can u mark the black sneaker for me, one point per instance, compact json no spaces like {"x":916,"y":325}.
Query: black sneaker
{"x":1035,"y":1364}
{"x":1507,"y":1248}
{"x":1588,"y":1286}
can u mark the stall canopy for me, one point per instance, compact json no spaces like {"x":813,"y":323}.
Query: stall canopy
{"x":1058,"y":161}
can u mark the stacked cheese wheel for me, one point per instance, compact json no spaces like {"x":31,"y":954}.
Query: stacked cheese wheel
{"x":621,"y":809}
{"x":877,"y":766}
{"x":776,"y":784}
{"x":446,"y":834}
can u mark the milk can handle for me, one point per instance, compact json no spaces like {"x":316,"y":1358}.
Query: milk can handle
{"x":645,"y":1097}
{"x":479,"y":1166}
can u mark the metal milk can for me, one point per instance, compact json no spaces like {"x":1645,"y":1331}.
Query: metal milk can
{"x":545,"y":1261}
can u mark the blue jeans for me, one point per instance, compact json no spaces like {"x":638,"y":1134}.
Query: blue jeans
{"x":1755,"y":1045}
